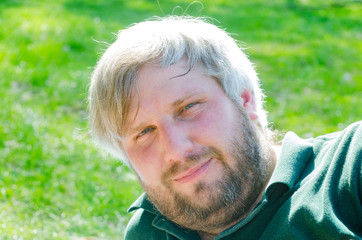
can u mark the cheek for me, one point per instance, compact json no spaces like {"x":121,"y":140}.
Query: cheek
{"x":145,"y":163}
{"x":214,"y":124}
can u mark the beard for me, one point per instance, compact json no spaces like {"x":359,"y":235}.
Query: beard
{"x":214,"y":206}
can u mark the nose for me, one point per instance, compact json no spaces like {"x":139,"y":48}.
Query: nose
{"x":175,"y":142}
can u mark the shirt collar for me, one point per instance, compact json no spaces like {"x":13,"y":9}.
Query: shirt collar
{"x":295,"y":154}
{"x":162,"y":222}
{"x":142,"y":202}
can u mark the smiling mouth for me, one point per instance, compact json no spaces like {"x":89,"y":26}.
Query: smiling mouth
{"x":192,"y":173}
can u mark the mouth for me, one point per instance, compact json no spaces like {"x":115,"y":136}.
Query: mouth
{"x":192,"y":173}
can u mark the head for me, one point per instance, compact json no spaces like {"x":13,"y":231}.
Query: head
{"x":180,"y":103}
{"x":164,"y":41}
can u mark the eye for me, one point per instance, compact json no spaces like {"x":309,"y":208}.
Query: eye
{"x":188,"y":106}
{"x":190,"y":110}
{"x":145,"y":131}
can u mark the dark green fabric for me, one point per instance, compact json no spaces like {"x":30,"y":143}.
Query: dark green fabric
{"x":315,"y":193}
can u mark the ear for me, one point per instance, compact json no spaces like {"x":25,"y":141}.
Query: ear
{"x":249,"y":104}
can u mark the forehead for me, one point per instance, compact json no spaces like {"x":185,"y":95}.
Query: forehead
{"x":158,"y":88}
{"x":152,"y":79}
{"x":151,"y":76}
{"x":165,"y":84}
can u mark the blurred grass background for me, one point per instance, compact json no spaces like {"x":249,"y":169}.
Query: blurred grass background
{"x":54,"y":184}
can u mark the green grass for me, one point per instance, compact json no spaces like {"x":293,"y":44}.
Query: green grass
{"x":55,"y":184}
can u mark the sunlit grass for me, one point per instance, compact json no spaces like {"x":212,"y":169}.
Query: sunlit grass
{"x":55,"y":184}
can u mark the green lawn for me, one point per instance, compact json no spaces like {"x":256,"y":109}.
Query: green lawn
{"x":55,"y":184}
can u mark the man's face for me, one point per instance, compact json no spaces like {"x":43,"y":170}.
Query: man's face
{"x":196,"y":153}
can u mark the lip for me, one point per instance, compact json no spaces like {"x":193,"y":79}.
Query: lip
{"x":192,"y":173}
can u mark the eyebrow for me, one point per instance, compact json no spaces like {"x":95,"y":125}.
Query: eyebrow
{"x":174,"y":104}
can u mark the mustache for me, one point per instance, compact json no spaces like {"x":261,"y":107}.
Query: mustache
{"x":206,"y":152}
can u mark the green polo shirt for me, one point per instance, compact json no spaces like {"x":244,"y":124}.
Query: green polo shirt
{"x":315,"y":192}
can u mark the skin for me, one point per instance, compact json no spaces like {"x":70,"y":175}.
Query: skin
{"x":180,"y":117}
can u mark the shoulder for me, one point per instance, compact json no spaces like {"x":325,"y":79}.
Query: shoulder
{"x":140,"y":227}
{"x":340,"y":169}
{"x":346,"y":144}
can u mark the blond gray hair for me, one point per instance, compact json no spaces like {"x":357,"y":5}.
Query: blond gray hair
{"x":164,"y":41}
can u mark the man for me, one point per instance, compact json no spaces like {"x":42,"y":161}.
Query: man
{"x":180,"y":103}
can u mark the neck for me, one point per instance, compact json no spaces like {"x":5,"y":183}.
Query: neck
{"x":206,"y":236}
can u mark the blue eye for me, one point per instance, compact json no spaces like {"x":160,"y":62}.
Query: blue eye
{"x":144,"y":132}
{"x":189,"y":106}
